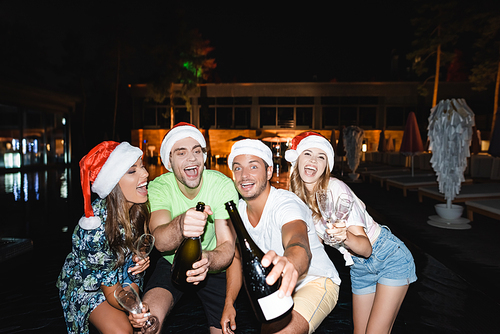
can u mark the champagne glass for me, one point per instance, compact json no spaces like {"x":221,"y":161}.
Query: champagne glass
{"x":343,"y":208}
{"x":324,"y":197}
{"x":143,"y":247}
{"x":129,"y":299}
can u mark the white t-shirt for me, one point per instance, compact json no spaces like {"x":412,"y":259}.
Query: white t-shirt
{"x":282,"y":207}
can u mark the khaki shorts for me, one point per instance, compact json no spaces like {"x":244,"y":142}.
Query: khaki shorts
{"x":315,"y":300}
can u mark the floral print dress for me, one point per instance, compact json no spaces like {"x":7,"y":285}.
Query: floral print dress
{"x":89,"y":265}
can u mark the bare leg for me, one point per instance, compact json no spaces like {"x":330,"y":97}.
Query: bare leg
{"x":361,"y":310}
{"x":160,"y":302}
{"x":108,"y":319}
{"x":388,"y":300}
{"x":294,"y":323}
{"x":214,"y":330}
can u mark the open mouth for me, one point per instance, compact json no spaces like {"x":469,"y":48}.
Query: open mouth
{"x":142,"y":188}
{"x":245,"y":185}
{"x":191,"y":171}
{"x":310,"y":170}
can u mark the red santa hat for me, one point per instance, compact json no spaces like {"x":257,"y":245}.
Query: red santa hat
{"x":180,"y":131}
{"x":307,"y":140}
{"x":103,"y":167}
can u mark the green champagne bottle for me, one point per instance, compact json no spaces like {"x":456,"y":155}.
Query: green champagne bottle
{"x":266,"y":304}
{"x":188,"y":253}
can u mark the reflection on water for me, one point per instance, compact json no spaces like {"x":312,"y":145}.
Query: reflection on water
{"x":25,"y":186}
{"x":12,"y":185}
{"x":64,"y":184}
{"x":37,"y":203}
{"x":32,"y":184}
{"x":30,"y":181}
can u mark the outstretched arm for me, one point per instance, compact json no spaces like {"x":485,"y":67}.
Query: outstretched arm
{"x":295,"y":260}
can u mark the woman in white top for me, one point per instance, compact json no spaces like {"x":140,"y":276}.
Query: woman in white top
{"x":381,"y":265}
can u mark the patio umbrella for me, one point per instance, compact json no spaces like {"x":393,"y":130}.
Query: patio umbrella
{"x":353,"y":137}
{"x":494,"y":148}
{"x":450,"y":134}
{"x":411,"y":144}
{"x":381,"y":142}
{"x":237,"y":138}
{"x":340,"y":150}
{"x":475,"y":146}
{"x":340,"y":145}
{"x":277,"y":139}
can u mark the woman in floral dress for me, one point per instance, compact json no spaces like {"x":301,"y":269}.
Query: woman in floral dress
{"x":102,"y":242}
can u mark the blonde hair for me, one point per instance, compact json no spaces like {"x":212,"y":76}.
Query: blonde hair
{"x":298,"y":187}
{"x":134,"y":221}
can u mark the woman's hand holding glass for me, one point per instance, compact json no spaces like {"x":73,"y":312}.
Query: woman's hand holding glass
{"x":143,"y":247}
{"x":129,"y":299}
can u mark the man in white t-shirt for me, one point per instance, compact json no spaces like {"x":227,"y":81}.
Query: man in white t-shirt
{"x":282,"y":226}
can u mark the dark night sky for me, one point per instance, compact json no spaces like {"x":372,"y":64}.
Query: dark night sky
{"x":266,"y":43}
{"x":348,"y":42}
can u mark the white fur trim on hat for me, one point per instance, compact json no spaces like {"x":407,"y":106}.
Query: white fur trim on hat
{"x":312,"y":141}
{"x":252,"y":147}
{"x":117,"y":164}
{"x":89,"y":223}
{"x":176,"y":134}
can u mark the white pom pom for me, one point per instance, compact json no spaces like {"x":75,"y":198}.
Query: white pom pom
{"x":291,"y":155}
{"x":90,"y":223}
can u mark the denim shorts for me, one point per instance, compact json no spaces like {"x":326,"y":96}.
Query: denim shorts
{"x":391,"y":263}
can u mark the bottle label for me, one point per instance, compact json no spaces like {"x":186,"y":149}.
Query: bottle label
{"x":272,"y":306}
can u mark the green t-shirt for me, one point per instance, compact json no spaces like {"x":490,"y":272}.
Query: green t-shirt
{"x":216,"y":189}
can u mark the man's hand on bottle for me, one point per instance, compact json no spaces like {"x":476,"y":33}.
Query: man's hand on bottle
{"x":194,"y":222}
{"x":199,"y":271}
{"x":284,"y":268}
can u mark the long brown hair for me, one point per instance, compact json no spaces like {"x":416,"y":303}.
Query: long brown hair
{"x":298,"y":187}
{"x":134,"y":221}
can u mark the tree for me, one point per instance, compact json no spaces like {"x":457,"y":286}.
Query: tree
{"x":187,"y":63}
{"x":437,"y":28}
{"x":486,"y":68}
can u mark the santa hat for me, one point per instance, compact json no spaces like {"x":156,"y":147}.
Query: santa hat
{"x":252,"y":147}
{"x":104,"y":166}
{"x":180,"y":131}
{"x":308,"y":140}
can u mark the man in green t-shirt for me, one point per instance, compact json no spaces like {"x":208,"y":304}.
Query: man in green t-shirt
{"x":173,"y":198}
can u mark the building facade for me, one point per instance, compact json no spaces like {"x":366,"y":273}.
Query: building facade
{"x":275,"y":112}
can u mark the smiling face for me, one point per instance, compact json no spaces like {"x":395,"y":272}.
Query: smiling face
{"x":251,"y":176}
{"x":133,"y":183}
{"x":311,"y":164}
{"x":187,"y":163}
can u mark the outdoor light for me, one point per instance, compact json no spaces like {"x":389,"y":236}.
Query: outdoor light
{"x":363,"y":147}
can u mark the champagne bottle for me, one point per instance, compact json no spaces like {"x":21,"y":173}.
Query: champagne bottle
{"x":188,"y":253}
{"x":264,"y":298}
